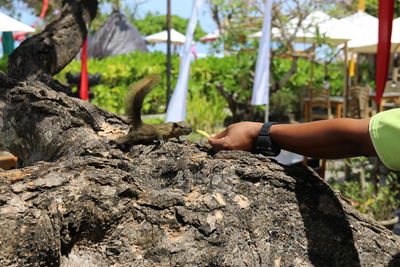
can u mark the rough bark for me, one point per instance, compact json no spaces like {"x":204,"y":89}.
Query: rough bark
{"x":78,"y":199}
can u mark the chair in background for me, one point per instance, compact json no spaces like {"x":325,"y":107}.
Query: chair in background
{"x":396,"y":75}
{"x":319,"y":107}
{"x":359,"y":107}
{"x":392,"y":87}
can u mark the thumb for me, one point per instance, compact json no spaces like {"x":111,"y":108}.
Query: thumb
{"x":219,"y":135}
{"x":217,"y":143}
{"x":214,"y":140}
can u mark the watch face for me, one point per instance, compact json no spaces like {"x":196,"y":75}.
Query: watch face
{"x":269,"y":153}
{"x":266,"y":151}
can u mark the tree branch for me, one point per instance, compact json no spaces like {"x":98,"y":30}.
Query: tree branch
{"x":48,"y":52}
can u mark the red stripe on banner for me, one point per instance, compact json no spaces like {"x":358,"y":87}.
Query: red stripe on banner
{"x":44,"y":8}
{"x":84,"y":88}
{"x":385,"y":15}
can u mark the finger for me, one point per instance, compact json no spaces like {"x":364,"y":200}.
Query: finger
{"x":219,"y":135}
{"x":216,"y":141}
{"x":217,"y":144}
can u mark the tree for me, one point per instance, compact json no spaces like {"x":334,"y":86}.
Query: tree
{"x":371,"y":7}
{"x":80,"y":199}
{"x":236,"y":20}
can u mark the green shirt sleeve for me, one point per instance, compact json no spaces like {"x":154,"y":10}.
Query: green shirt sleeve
{"x":384,"y":129}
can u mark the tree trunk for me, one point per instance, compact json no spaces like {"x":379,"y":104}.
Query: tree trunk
{"x":78,"y":199}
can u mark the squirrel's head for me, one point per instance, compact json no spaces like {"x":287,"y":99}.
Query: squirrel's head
{"x":182,"y":128}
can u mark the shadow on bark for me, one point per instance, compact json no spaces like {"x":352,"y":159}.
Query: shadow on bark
{"x":329,"y":235}
{"x":395,"y":261}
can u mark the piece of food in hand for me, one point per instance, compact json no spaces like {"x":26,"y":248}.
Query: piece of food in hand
{"x":203,"y":133}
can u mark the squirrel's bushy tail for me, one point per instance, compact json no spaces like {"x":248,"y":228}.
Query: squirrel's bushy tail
{"x":135,"y":98}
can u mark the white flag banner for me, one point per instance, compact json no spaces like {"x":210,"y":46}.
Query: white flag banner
{"x":177,"y":105}
{"x":261,"y":79}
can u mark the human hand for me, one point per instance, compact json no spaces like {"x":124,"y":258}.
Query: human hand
{"x":238,"y":136}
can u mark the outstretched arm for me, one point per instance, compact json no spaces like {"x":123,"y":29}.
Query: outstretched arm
{"x":338,"y":138}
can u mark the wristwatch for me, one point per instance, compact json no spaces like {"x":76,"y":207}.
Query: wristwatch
{"x":264,"y":144}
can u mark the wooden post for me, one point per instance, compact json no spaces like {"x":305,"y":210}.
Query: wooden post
{"x":312,"y":64}
{"x":346,"y":82}
{"x":168,"y":51}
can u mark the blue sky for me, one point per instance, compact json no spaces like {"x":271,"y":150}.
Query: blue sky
{"x":182,"y":8}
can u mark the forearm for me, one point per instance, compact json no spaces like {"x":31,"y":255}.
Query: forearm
{"x":338,"y":138}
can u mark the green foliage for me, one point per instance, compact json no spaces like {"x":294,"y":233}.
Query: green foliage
{"x":120,"y":72}
{"x":380,"y":205}
{"x":234,"y":73}
{"x":350,"y":7}
{"x":205,"y":109}
{"x":230,"y":76}
{"x":153,"y":23}
{"x":365,"y":71}
{"x":214,"y":82}
{"x":205,"y":112}
{"x":286,"y":99}
{"x":371,"y":7}
{"x":3,"y":64}
{"x":378,"y":201}
{"x":153,"y":120}
{"x":301,"y":79}
{"x":236,"y":20}
{"x":282,"y":103}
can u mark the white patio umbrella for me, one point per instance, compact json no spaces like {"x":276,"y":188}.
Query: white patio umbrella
{"x":8,"y":24}
{"x":362,"y":27}
{"x":257,"y":34}
{"x":177,"y":38}
{"x":307,"y":31}
{"x":370,"y":42}
{"x":316,"y":24}
{"x":396,"y":34}
{"x":211,"y":37}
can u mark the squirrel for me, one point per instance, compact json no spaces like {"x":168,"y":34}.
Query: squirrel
{"x":141,"y":132}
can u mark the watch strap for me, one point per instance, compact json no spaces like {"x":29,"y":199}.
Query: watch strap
{"x":264,"y":144}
